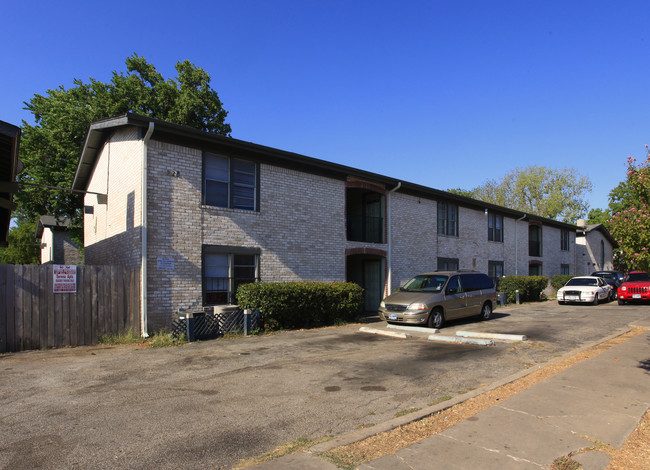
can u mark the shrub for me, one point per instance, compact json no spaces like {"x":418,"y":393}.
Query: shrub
{"x":302,"y":304}
{"x":559,"y":280}
{"x":529,"y":287}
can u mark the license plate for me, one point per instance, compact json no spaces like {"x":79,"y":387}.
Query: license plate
{"x":636,"y":296}
{"x":392,"y":316}
{"x":571,"y":297}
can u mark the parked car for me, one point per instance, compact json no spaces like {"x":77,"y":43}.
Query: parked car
{"x":635,"y":287}
{"x":613,"y":278}
{"x":433,"y":298}
{"x":584,"y":289}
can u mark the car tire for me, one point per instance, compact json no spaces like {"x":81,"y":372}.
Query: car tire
{"x":486,"y":311}
{"x":561,"y":302}
{"x":436,"y":319}
{"x":595,"y":299}
{"x":621,"y":302}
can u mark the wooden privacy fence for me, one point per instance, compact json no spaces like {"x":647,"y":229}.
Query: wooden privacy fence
{"x":32,"y":316}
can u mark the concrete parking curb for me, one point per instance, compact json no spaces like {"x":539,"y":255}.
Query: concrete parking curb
{"x":392,"y":334}
{"x":500,"y":336}
{"x":461,"y":340}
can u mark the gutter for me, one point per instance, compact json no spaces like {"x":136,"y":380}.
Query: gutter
{"x":389,"y":235}
{"x":145,"y":257}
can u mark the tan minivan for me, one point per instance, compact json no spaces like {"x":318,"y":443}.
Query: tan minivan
{"x":434,"y":298}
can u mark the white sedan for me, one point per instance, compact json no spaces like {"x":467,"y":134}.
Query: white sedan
{"x":585,"y":289}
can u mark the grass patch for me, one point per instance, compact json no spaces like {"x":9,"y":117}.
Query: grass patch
{"x":406,"y":412}
{"x":123,"y":337}
{"x":161,"y":339}
{"x":565,"y":463}
{"x":293,"y":447}
{"x":440,"y":400}
{"x":165,"y":339}
{"x":343,"y":459}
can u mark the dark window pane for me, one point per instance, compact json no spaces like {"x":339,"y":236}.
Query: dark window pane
{"x":216,"y":194}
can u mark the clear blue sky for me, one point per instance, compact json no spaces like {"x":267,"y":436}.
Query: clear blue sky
{"x":441,"y":93}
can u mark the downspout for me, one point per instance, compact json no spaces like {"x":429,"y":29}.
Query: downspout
{"x":389,"y":235}
{"x":517,"y":245}
{"x":145,"y":257}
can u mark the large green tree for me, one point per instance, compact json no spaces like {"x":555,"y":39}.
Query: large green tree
{"x":51,"y":146}
{"x":630,"y":225}
{"x":555,"y":194}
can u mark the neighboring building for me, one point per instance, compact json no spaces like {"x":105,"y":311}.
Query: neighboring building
{"x":9,"y":167}
{"x":202,"y":213}
{"x":595,"y":248}
{"x":57,"y":247}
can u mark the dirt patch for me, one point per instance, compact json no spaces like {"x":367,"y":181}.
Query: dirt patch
{"x":635,"y":454}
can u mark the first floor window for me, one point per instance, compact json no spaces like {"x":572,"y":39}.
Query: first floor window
{"x":495,"y":271}
{"x":226,"y":269}
{"x":564,"y":269}
{"x":535,"y":269}
{"x":447,"y":264}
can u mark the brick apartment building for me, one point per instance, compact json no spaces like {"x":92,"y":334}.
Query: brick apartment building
{"x":201,"y":213}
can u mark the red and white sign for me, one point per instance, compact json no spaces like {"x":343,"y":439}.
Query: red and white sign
{"x":65,"y":279}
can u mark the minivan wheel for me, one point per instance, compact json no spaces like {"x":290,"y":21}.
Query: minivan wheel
{"x":486,"y":312}
{"x":436,"y":319}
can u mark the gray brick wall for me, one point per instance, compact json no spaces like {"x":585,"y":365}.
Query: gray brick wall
{"x":299,"y":229}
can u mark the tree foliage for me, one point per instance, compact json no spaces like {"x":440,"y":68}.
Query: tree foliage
{"x":630,"y":225}
{"x":50,"y":148}
{"x":599,"y":216}
{"x":555,"y":194}
{"x":23,"y":247}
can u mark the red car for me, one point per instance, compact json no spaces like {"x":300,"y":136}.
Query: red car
{"x":636,"y":286}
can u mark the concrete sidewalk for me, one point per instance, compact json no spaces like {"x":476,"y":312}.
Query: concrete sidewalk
{"x":600,"y":400}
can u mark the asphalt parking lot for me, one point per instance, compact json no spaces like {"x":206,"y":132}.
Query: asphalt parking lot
{"x":210,"y":404}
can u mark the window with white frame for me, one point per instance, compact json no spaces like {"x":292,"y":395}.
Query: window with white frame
{"x":230,"y":182}
{"x":225,"y":269}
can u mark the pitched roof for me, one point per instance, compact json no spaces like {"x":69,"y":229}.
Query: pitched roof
{"x":584,"y":230}
{"x":100,"y":131}
{"x":60,"y":223}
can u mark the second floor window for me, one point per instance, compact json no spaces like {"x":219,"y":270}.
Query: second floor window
{"x":564,"y":240}
{"x":447,"y":219}
{"x":365,"y":215}
{"x":495,"y":228}
{"x":230,"y":183}
{"x":534,"y":240}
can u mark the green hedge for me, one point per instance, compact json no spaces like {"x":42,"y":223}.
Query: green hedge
{"x":529,"y":287}
{"x":559,"y":280}
{"x":302,"y":304}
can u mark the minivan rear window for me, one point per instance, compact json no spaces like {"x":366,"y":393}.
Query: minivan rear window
{"x":476,"y":281}
{"x":431,"y":283}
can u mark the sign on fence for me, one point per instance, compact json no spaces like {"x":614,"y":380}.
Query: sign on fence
{"x":65,"y":279}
